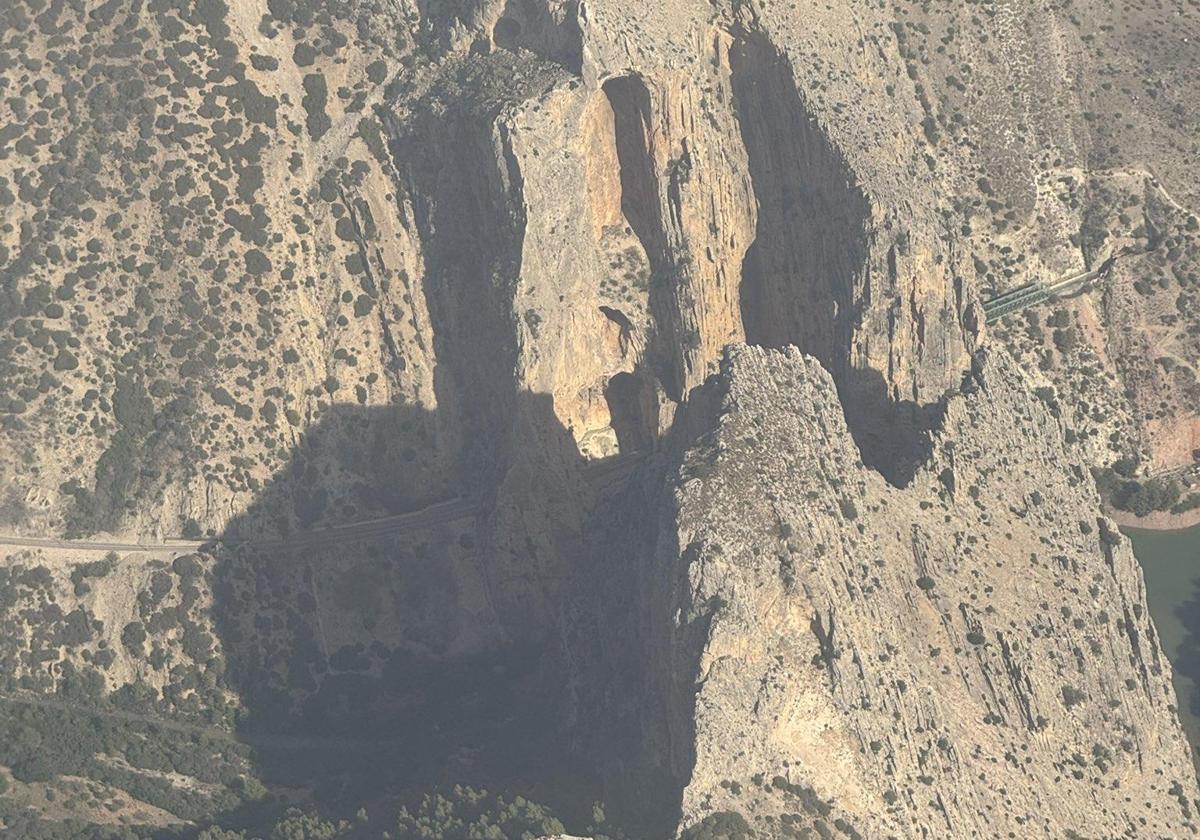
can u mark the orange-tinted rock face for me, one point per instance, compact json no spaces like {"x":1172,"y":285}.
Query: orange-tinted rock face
{"x":490,"y":257}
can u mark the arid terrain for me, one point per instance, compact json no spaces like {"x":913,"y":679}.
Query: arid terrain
{"x":501,"y":418}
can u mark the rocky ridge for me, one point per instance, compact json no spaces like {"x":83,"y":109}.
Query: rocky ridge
{"x":512,"y":248}
{"x":946,"y":659}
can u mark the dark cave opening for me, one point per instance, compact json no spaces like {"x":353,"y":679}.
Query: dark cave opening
{"x":507,"y":33}
{"x":548,"y":32}
{"x":630,"y":103}
{"x":631,"y":409}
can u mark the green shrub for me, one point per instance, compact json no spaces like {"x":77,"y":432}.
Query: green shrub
{"x":316,"y":95}
{"x":722,"y":825}
{"x":66,"y":360}
{"x":1072,"y":696}
{"x":257,"y":263}
{"x":466,"y":814}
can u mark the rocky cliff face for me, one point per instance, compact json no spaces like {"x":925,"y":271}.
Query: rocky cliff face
{"x":496,"y":251}
{"x":568,"y":200}
{"x":968,"y":656}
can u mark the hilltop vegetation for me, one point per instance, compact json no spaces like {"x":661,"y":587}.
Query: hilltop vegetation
{"x":268,"y":267}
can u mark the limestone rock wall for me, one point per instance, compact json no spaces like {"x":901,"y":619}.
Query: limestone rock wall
{"x":598,"y":207}
{"x":500,"y":255}
{"x":968,"y":656}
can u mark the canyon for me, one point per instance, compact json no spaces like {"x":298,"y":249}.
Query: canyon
{"x":679,"y":305}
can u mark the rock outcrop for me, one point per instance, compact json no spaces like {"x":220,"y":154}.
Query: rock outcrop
{"x":676,"y":305}
{"x":967,"y":656}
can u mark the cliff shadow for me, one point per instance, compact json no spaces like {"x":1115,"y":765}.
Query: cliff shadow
{"x":1186,"y":664}
{"x":375,"y":660}
{"x":893,"y":436}
{"x":372,"y":658}
{"x":378,"y":658}
{"x":354,"y":463}
{"x":468,"y":214}
{"x":803,"y":275}
{"x":633,"y":618}
{"x":809,"y":250}
{"x":631,"y":405}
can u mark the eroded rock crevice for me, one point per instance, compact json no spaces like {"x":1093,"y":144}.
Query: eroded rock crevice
{"x":631,"y":404}
{"x":630,"y":103}
{"x":800,"y":275}
{"x":547,"y":28}
{"x":642,"y":182}
{"x":806,"y":277}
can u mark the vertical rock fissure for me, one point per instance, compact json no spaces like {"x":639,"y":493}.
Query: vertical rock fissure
{"x":809,"y":252}
{"x":630,"y":103}
{"x":805,"y":276}
{"x":642,"y":206}
{"x":470,"y":221}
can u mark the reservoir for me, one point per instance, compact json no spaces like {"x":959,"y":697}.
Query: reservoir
{"x":1171,"y":563}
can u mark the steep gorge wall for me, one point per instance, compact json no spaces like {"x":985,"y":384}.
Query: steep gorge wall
{"x":590,"y":249}
{"x":803,"y":277}
{"x":965,"y":657}
{"x":575,"y":210}
{"x":671,"y":211}
{"x":591,"y":237}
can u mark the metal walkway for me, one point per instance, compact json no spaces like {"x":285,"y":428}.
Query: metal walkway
{"x":1031,"y":294}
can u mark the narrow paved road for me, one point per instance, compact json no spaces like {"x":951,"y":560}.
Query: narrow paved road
{"x":454,"y":510}
{"x":603,"y":476}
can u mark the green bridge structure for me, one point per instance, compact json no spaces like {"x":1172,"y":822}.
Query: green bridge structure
{"x":1037,"y":292}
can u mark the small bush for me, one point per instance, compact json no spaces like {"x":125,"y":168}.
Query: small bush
{"x":723,"y":825}
{"x":316,"y":94}
{"x":1072,"y":696}
{"x":66,"y":360}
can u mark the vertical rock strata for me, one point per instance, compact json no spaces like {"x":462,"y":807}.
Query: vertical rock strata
{"x":969,"y":656}
{"x":698,"y":253}
{"x":656,"y":199}
{"x":598,"y":225}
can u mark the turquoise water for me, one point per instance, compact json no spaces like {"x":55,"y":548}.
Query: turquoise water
{"x":1171,"y":564}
